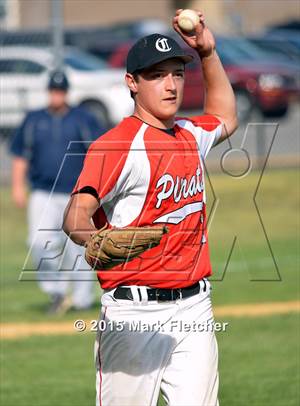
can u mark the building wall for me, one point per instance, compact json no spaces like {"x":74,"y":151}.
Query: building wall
{"x":214,"y":12}
{"x":257,"y":14}
{"x":229,"y":16}
{"x":95,"y":12}
{"x":246,"y":16}
{"x":36,"y":13}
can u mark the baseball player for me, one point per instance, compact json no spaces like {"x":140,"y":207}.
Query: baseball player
{"x":142,"y":184}
{"x":48,"y":148}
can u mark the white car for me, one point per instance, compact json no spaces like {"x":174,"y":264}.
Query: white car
{"x":24,"y":76}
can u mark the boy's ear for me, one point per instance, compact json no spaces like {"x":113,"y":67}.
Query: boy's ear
{"x":131,"y":82}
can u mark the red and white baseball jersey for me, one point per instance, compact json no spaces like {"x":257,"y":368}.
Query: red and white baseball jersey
{"x":145,"y":176}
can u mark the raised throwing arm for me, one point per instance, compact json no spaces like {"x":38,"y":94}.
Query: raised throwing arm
{"x":219,"y":96}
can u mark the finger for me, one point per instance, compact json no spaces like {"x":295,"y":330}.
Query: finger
{"x":199,"y":28}
{"x":179,"y":11}
{"x":177,"y":28}
{"x":176,"y":24}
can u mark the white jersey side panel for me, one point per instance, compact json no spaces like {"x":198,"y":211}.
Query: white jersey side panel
{"x":125,"y":201}
{"x":205,"y":139}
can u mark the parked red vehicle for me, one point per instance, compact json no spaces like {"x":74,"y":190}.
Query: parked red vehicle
{"x":257,"y":82}
{"x":269,"y":82}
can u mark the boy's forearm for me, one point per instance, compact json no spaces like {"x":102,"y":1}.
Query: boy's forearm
{"x":77,"y":225}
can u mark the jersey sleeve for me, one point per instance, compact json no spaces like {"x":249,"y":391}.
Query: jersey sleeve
{"x":206,"y":129}
{"x":101,"y":170}
{"x":20,"y":141}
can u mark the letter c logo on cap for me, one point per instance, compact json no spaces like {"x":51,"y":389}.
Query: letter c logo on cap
{"x":162,"y":45}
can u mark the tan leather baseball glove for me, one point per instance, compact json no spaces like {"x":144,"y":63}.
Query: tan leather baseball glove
{"x":111,"y":247}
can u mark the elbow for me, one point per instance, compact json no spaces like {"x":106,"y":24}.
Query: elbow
{"x":234,"y":119}
{"x":232,"y":124}
{"x":66,"y":221}
{"x":65,"y":226}
{"x":235,"y":124}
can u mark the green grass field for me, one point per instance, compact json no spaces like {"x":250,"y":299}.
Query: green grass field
{"x":259,"y":357}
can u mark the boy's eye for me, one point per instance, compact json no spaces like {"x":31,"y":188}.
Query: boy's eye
{"x":159,"y":75}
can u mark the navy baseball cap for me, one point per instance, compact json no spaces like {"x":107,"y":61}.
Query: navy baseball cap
{"x":58,"y":80}
{"x":153,"y":49}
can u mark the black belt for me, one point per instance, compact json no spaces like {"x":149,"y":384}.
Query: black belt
{"x":161,"y":295}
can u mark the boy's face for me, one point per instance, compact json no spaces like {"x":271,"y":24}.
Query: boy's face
{"x":159,"y":89}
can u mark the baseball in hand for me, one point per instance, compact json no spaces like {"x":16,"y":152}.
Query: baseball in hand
{"x":188,"y":19}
